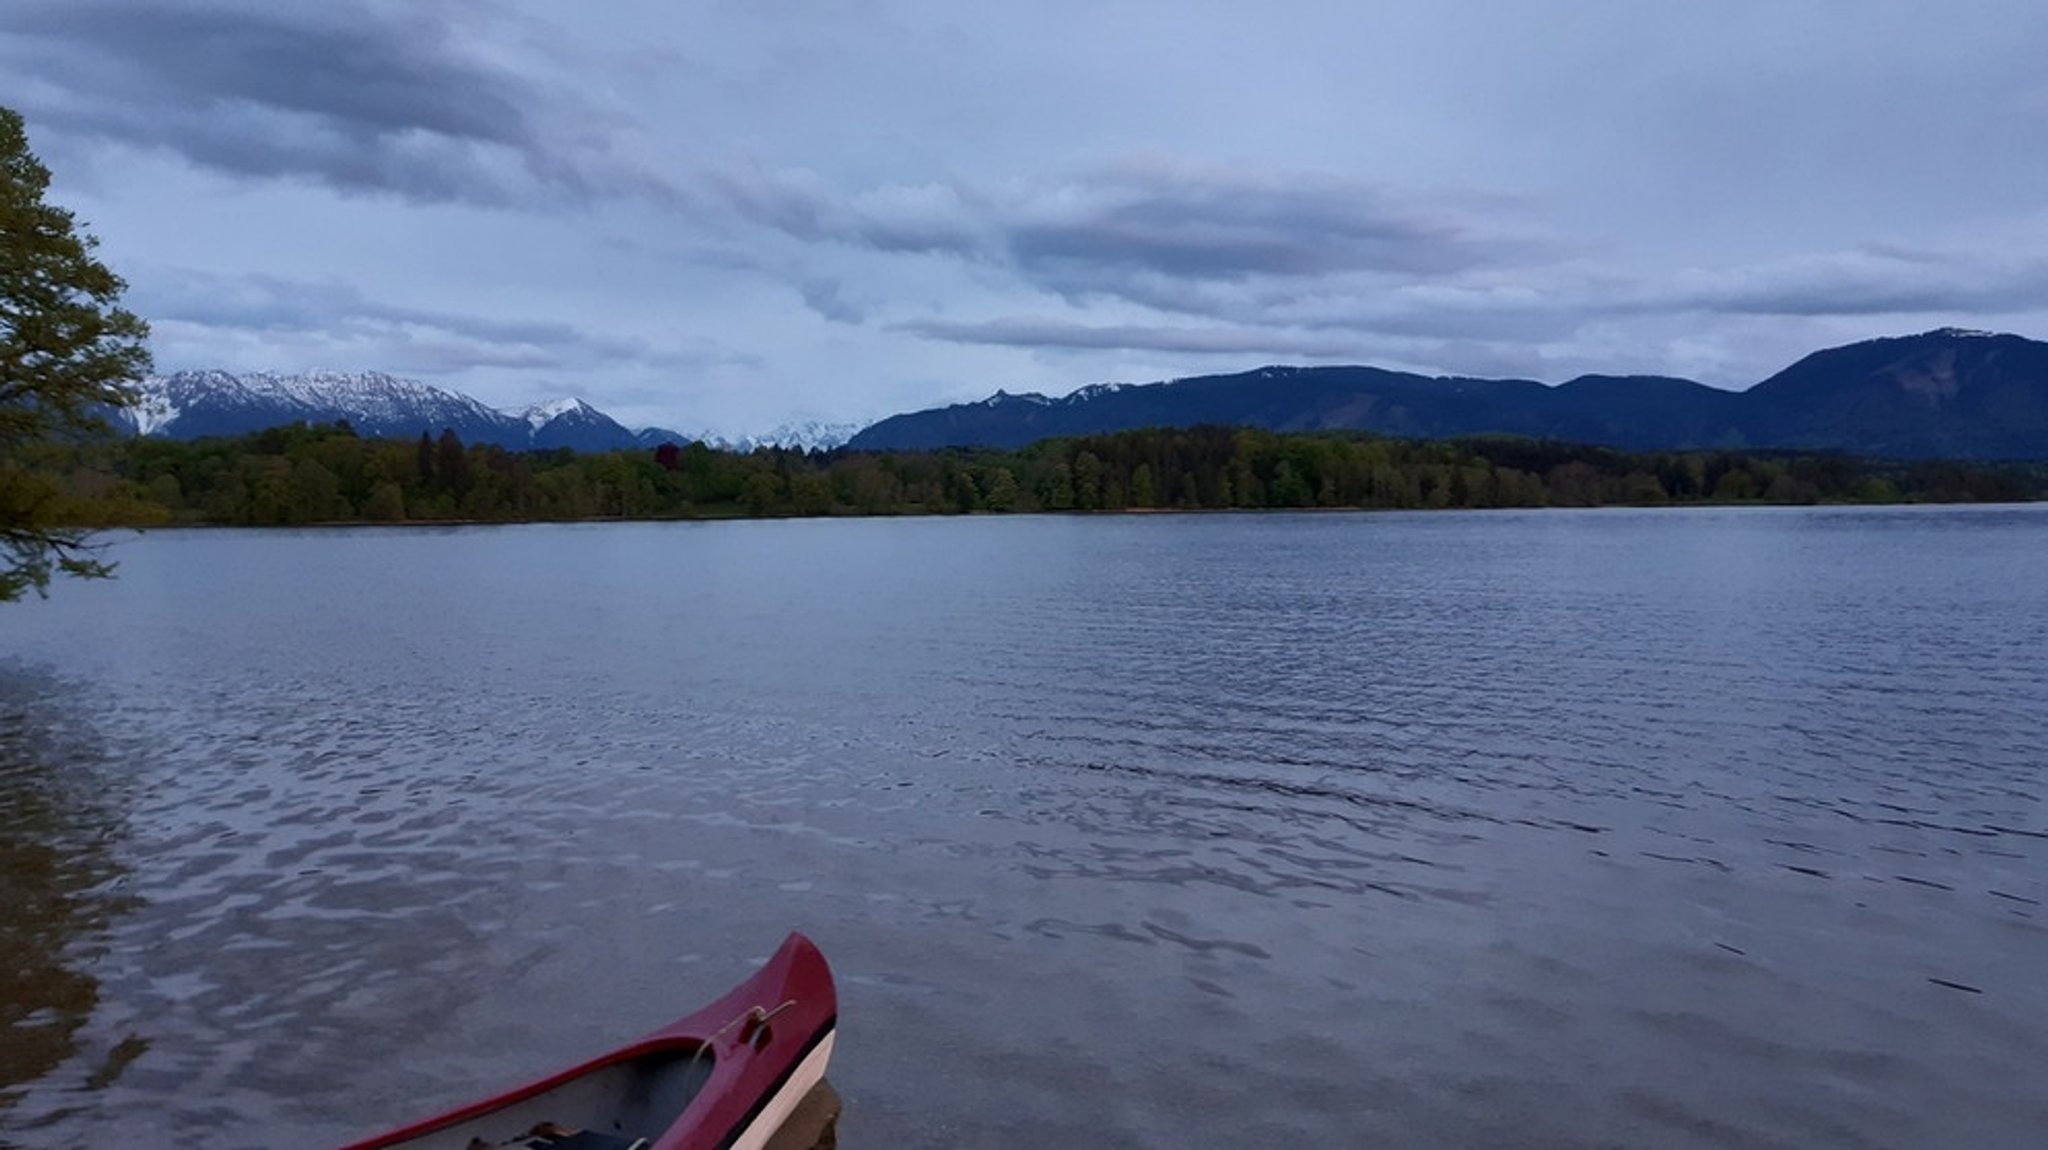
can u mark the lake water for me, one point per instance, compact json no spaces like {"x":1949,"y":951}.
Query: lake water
{"x":1609,"y":828}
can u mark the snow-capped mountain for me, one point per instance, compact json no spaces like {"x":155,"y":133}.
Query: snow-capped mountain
{"x":196,"y":404}
{"x":804,"y":435}
{"x":541,"y":414}
{"x":815,"y":434}
{"x":575,"y":424}
{"x":1076,"y":398}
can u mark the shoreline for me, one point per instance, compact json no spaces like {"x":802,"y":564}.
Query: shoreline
{"x":358,"y":524}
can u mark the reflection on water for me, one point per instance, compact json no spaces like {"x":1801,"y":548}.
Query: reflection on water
{"x":1605,"y":828}
{"x":60,"y":884}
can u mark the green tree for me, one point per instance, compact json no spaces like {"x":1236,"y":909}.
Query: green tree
{"x":1058,"y":494}
{"x":451,"y":463}
{"x":67,"y":350}
{"x":962,"y":492}
{"x":316,"y":493}
{"x":1087,"y":481}
{"x":1002,"y":490}
{"x":810,"y":493}
{"x":1142,"y":492}
{"x":387,"y":502}
{"x":760,"y":493}
{"x":1289,"y":488}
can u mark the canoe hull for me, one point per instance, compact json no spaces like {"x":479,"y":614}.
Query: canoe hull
{"x":722,"y":1078}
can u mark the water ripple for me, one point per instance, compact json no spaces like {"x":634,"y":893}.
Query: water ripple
{"x":1622,"y":828}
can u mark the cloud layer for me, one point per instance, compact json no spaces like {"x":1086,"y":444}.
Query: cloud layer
{"x":396,"y":100}
{"x":738,"y":213}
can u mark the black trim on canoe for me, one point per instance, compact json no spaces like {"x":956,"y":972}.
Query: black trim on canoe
{"x":732,"y":1136}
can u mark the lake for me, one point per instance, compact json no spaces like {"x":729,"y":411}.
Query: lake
{"x":1568,"y":828}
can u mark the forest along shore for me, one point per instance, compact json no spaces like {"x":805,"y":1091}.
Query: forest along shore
{"x":307,"y":475}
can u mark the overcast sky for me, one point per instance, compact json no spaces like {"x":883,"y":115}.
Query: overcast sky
{"x":726,"y":214}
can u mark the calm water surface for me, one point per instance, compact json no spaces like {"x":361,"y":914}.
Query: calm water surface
{"x":1622,"y":828}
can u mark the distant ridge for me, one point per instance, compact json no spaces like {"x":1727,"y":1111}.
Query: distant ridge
{"x":1951,"y":393}
{"x":197,"y":404}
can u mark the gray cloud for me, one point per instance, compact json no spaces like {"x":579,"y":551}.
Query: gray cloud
{"x":1190,"y":223}
{"x":415,"y":339}
{"x":1488,"y":314}
{"x":1240,"y":247}
{"x":1869,"y":281}
{"x":935,"y":219}
{"x":1207,"y":225}
{"x":357,"y":97}
{"x":1041,"y":332}
{"x":827,"y":298}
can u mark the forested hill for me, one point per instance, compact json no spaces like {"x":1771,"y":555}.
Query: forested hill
{"x":304,"y":474}
{"x":1948,"y":394}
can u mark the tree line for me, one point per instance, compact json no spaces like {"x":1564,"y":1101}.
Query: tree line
{"x":327,"y":474}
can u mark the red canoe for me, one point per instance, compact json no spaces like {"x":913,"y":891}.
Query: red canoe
{"x":725,"y":1078}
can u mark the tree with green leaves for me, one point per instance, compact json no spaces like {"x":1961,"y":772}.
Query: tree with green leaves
{"x":1002,"y":490}
{"x":67,"y":351}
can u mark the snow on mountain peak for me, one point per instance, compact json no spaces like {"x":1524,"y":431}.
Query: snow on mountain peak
{"x":194,"y":403}
{"x":188,"y":404}
{"x":797,"y":435}
{"x":153,"y":410}
{"x":541,"y":414}
{"x":1095,"y":391}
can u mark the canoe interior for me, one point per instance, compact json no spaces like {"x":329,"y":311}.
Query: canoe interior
{"x":636,"y":1098}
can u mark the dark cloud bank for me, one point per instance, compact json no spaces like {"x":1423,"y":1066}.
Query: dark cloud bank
{"x":361,"y":99}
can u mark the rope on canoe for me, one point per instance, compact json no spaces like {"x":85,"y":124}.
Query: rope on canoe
{"x":751,"y":1021}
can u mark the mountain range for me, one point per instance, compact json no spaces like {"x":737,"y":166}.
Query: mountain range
{"x":197,"y":404}
{"x":1950,"y":393}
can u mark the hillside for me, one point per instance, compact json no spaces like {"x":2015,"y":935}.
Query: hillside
{"x":1943,"y":394}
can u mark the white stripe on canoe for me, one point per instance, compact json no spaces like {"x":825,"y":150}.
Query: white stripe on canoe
{"x":779,"y":1108}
